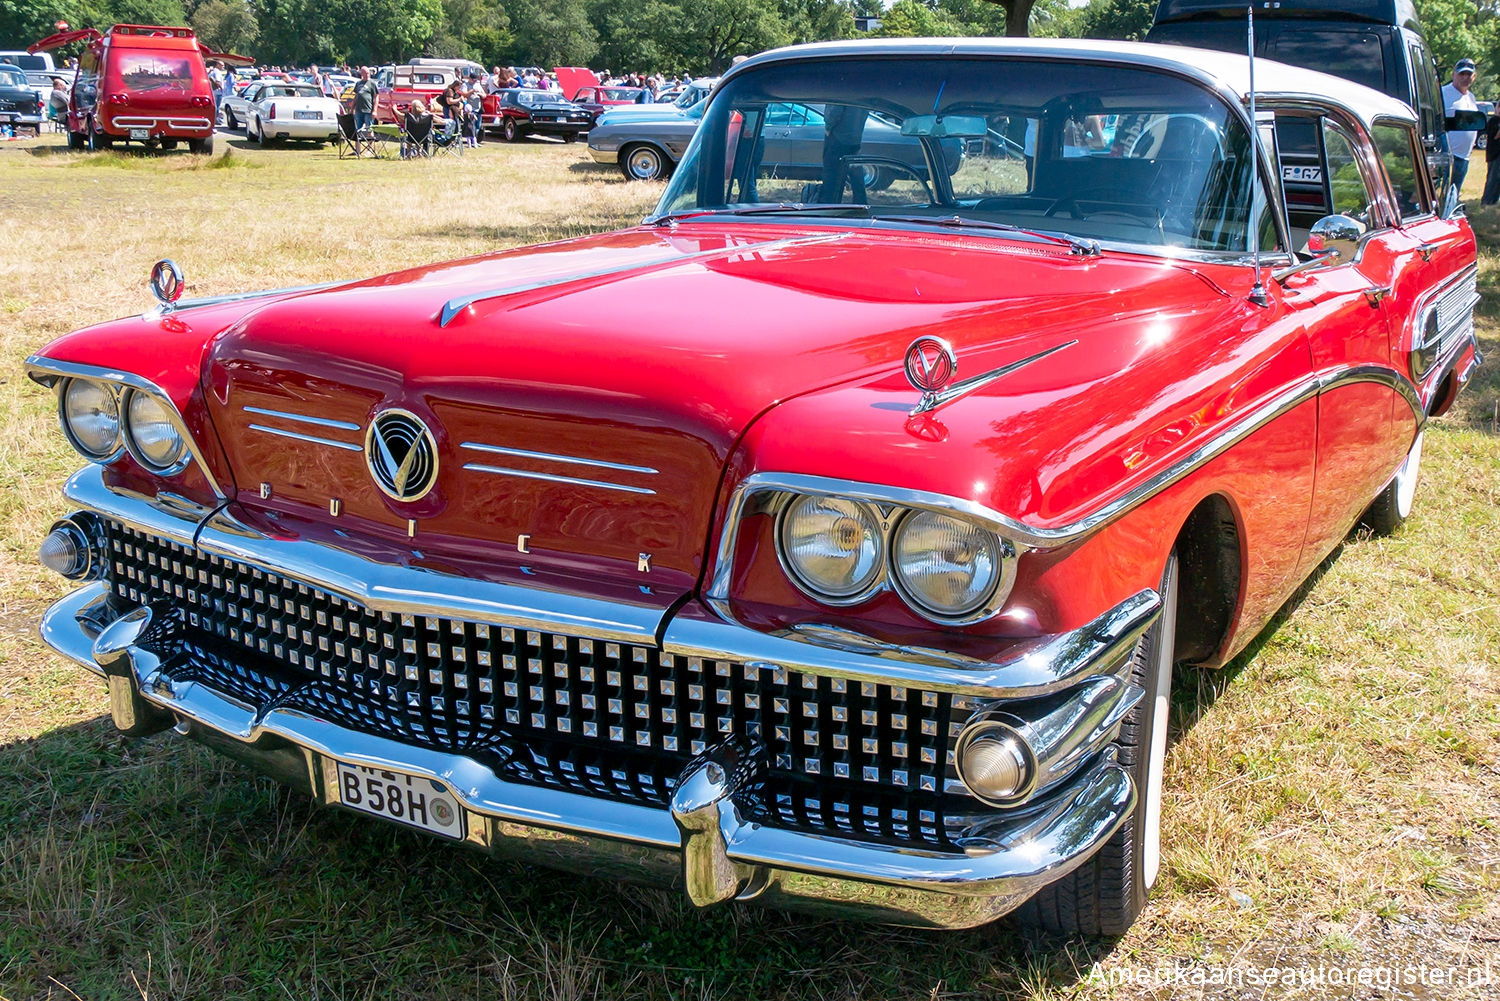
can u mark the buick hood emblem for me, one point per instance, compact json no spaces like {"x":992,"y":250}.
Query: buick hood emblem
{"x":402,"y":455}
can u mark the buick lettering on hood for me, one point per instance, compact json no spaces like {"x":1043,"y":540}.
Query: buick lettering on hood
{"x":829,"y":539}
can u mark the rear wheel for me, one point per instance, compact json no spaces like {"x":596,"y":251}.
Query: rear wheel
{"x":1105,"y":894}
{"x":642,"y":163}
{"x":230,"y":122}
{"x":260,"y":133}
{"x":203,"y":146}
{"x":509,"y":130}
{"x":97,"y":140}
{"x":570,"y":137}
{"x":77,"y":140}
{"x":1392,"y":507}
{"x":169,"y":144}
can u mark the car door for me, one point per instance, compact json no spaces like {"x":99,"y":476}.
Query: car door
{"x":1346,"y":310}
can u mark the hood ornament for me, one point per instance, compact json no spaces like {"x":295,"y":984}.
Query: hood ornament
{"x":931,"y":365}
{"x":167,"y":284}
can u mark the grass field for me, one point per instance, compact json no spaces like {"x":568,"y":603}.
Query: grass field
{"x":1333,"y":796}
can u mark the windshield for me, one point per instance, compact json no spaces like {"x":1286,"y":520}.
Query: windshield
{"x":1099,"y":151}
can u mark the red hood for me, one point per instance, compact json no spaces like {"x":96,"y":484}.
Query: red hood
{"x":652,"y":349}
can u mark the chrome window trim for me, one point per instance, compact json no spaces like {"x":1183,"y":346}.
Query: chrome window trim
{"x":51,"y":373}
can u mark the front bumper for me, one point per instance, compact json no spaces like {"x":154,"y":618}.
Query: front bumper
{"x":701,"y":839}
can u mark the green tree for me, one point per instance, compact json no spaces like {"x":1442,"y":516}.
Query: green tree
{"x":1459,"y":28}
{"x":552,"y":33}
{"x":225,"y":25}
{"x":914,"y":19}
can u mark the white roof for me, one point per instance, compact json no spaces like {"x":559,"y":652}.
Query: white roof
{"x":1221,"y":70}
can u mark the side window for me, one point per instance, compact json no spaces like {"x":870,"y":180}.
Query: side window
{"x":1429,"y":99}
{"x":1346,"y":187}
{"x":1394,"y":143}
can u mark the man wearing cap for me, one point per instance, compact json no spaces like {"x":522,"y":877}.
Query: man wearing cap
{"x":1457,"y":97}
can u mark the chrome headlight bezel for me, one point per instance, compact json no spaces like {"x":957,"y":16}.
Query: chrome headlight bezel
{"x":866,"y":586}
{"x":180,"y":456}
{"x":117,"y":444}
{"x":986,"y":602}
{"x":889,"y":518}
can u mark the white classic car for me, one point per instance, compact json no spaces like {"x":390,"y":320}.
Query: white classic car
{"x":291,"y":111}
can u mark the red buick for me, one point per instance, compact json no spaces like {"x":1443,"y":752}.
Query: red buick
{"x":818,"y":541}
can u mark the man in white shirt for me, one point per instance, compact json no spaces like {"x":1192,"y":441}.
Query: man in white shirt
{"x":1457,"y":97}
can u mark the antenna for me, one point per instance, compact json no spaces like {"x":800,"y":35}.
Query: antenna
{"x":1258,"y":292}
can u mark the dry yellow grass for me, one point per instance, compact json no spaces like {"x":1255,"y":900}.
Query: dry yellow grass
{"x":1333,"y":796}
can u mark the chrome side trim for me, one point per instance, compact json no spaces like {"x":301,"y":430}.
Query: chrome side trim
{"x":1032,"y":536}
{"x":348,"y":446}
{"x":457,"y":305}
{"x":303,"y":418}
{"x":553,"y":457}
{"x":934,"y":400}
{"x":48,"y":372}
{"x":1033,"y":667}
{"x":479,"y":467}
{"x":380,"y":586}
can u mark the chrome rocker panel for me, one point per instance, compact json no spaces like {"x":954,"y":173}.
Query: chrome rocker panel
{"x":701,"y":842}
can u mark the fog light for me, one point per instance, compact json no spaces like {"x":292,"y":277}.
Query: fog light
{"x":996,"y":763}
{"x":66,"y":549}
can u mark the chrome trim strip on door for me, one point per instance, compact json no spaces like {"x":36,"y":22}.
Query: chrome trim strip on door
{"x":479,"y":467}
{"x":553,"y":457}
{"x":304,"y":418}
{"x":348,"y":446}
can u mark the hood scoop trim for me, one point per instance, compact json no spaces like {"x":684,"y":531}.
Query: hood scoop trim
{"x":455,"y":306}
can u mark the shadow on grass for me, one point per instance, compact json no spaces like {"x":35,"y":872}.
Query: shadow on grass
{"x":128,"y":855}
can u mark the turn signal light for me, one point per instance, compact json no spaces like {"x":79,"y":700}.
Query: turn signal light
{"x":119,"y":99}
{"x":199,"y":101}
{"x":74,"y":548}
{"x":996,"y":763}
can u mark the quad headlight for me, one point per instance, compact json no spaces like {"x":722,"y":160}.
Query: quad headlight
{"x":151,"y":433}
{"x":945,"y":566}
{"x":90,"y":414}
{"x":833,"y":547}
{"x":840,"y":550}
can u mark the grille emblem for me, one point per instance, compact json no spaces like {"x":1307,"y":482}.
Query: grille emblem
{"x":401,"y":454}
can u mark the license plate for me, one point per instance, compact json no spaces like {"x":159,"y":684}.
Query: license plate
{"x":1312,"y":175}
{"x":5,"y":117}
{"x":314,"y":115}
{"x":140,"y":133}
{"x":406,"y":799}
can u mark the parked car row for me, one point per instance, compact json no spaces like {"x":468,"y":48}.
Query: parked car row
{"x":275,"y":110}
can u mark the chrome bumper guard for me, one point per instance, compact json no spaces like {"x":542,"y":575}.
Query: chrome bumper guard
{"x":702,"y":841}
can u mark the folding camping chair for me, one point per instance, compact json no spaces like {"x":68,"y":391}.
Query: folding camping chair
{"x":353,"y":143}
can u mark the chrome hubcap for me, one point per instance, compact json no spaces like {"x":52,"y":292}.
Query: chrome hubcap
{"x":644,"y":164}
{"x":1407,"y":476}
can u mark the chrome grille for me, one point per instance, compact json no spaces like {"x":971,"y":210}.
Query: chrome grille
{"x":607,"y":718}
{"x":1455,"y":312}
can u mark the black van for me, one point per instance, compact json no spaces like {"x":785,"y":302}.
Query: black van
{"x":1378,"y":43}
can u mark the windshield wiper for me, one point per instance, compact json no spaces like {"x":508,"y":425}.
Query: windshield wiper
{"x":770,"y":208}
{"x":1075,"y":244}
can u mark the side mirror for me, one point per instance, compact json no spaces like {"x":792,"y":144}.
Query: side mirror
{"x":1465,"y":121}
{"x":1336,"y":235}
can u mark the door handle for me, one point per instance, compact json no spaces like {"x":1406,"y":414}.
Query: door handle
{"x":1374,"y":296}
{"x":1426,"y":249}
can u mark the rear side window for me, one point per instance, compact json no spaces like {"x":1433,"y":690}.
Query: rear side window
{"x":1351,"y":53}
{"x":1394,"y":142}
{"x":1346,"y":186}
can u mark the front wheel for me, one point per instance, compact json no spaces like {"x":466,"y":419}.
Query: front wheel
{"x":1393,"y":505}
{"x":1105,"y":894}
{"x":642,"y":163}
